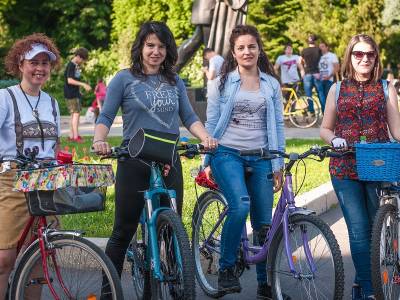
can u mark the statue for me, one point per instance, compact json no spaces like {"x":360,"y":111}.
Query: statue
{"x":214,"y":20}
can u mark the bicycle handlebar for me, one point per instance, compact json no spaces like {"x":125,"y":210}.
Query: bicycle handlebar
{"x":321,"y":152}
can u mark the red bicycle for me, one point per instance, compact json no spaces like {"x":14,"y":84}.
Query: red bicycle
{"x":60,"y":264}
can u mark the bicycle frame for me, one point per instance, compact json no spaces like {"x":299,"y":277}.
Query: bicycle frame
{"x":285,"y":208}
{"x":150,"y":215}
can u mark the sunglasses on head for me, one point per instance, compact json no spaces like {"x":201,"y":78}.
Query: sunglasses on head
{"x":359,"y":55}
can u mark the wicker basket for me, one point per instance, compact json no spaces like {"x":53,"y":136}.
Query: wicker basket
{"x":378,"y":161}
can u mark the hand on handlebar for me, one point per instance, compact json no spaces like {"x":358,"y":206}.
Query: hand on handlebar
{"x":209,"y":143}
{"x":339,"y":143}
{"x":101,"y":147}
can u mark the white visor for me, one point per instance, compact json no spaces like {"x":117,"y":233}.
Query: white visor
{"x":37,"y":49}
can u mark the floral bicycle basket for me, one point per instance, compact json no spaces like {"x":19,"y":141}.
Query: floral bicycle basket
{"x":378,"y":161}
{"x":65,"y":189}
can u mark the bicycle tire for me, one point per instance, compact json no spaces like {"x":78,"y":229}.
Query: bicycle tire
{"x":179,"y":279}
{"x":385,"y":267}
{"x":207,"y":210}
{"x":82,"y":278}
{"x":306,"y":285}
{"x":299,"y":114}
{"x":136,"y":258}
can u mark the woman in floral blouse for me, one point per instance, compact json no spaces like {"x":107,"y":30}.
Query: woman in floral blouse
{"x":361,"y":105}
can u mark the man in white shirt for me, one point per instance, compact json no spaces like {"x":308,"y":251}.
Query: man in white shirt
{"x":290,"y":65}
{"x":215,"y":62}
{"x":328,"y":67}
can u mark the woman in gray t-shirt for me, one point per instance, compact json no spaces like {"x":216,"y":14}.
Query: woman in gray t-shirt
{"x":151,"y":96}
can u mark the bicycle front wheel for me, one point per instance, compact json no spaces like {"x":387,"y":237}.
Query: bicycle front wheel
{"x":385,"y":265}
{"x":304,"y":112}
{"x":307,"y":232}
{"x":176,"y":260}
{"x":206,"y":241}
{"x":77,"y":268}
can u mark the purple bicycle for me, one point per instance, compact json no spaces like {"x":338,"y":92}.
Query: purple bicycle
{"x":303,"y":257}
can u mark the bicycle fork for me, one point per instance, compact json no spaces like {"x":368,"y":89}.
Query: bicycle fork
{"x":47,"y":249}
{"x":288,"y":248}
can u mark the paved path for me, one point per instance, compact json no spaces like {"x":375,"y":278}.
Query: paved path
{"x":248,"y":280}
{"x":116,"y":130}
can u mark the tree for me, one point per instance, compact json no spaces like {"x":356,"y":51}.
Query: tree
{"x":70,"y":23}
{"x":272,"y":18}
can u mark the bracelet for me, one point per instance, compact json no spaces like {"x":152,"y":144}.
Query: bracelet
{"x":96,"y":141}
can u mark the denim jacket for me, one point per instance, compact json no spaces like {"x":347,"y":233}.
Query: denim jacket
{"x":220,"y":105}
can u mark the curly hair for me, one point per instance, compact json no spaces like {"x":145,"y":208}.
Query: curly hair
{"x":23,"y":45}
{"x":230,"y":64}
{"x":166,"y":37}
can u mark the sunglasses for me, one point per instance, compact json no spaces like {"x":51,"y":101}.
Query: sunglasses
{"x":359,"y":55}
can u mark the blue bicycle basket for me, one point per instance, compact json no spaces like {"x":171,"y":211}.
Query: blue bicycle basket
{"x":378,"y":161}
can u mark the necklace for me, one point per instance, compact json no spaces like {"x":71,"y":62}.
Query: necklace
{"x":35,"y":114}
{"x":35,"y":111}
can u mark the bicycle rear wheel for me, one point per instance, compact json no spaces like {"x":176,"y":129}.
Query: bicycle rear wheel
{"x":206,"y":241}
{"x":300,"y":114}
{"x":84,"y":269}
{"x":385,"y":265}
{"x":327,"y":282}
{"x":136,"y":259}
{"x":176,"y":260}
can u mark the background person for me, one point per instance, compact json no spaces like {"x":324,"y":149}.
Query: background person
{"x":360,"y":110}
{"x":289,"y":65}
{"x":215,"y":62}
{"x":31,"y":59}
{"x":72,"y":95}
{"x":244,"y":111}
{"x":310,"y":59}
{"x":151,"y":95}
{"x":328,"y":68}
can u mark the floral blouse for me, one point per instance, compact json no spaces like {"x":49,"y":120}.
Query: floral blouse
{"x":361,"y":111}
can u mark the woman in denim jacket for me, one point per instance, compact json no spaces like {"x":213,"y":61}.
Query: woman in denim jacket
{"x":245,"y":112}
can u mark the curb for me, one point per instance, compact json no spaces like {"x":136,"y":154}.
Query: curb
{"x":320,"y":200}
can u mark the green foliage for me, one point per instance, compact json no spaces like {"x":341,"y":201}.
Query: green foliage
{"x":128,"y":15}
{"x":272,"y":18}
{"x":70,"y":23}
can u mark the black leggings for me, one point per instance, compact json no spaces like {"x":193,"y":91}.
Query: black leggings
{"x":132,"y":179}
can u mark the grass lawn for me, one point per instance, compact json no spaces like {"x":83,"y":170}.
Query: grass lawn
{"x":100,"y":224}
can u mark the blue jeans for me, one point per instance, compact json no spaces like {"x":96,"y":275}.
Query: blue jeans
{"x":253,"y":193}
{"x":309,"y":82}
{"x":326,"y":85}
{"x":359,"y":203}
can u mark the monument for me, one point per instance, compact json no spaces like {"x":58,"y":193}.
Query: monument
{"x":214,"y":21}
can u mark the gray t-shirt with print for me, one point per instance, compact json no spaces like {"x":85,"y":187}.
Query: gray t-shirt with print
{"x":247,"y":128}
{"x":150,"y":103}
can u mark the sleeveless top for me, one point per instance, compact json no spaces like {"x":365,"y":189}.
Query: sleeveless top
{"x":361,"y":111}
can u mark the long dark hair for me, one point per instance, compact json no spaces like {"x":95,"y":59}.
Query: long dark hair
{"x":166,"y":37}
{"x":230,"y":63}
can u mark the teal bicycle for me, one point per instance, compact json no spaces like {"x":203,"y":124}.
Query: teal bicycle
{"x":160,"y":258}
